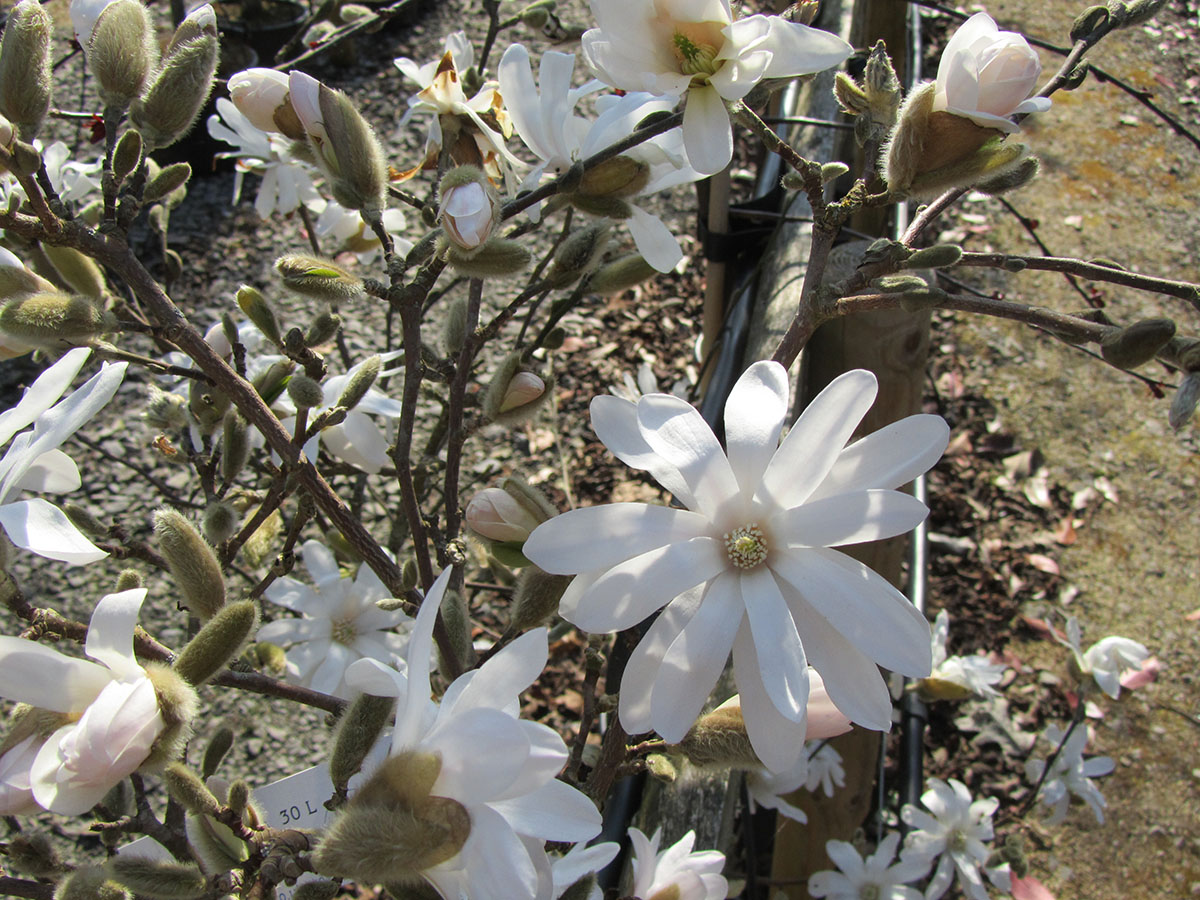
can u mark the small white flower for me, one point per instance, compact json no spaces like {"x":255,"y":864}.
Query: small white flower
{"x":824,"y":768}
{"x":956,"y":835}
{"x":72,"y":181}
{"x":348,"y":231}
{"x":1107,"y":659}
{"x":676,"y":871}
{"x":110,"y":704}
{"x":516,"y":803}
{"x":874,"y":877}
{"x":986,"y":75}
{"x":33,"y":461}
{"x":673,"y":47}
{"x":339,"y":623}
{"x":748,"y":567}
{"x":580,"y":862}
{"x":972,"y":674}
{"x":1070,"y":774}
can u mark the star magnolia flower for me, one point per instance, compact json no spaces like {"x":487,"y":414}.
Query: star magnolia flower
{"x":33,"y":461}
{"x":340,"y":622}
{"x":956,"y":835}
{"x":747,"y":566}
{"x":986,"y":75}
{"x":580,"y":862}
{"x":515,"y":803}
{"x":673,"y":47}
{"x":546,"y":121}
{"x":110,"y":706}
{"x":824,"y":768}
{"x":955,"y":677}
{"x":1107,"y":659}
{"x":1070,"y":774}
{"x":676,"y":871}
{"x":348,"y":231}
{"x":286,"y":183}
{"x":874,"y":877}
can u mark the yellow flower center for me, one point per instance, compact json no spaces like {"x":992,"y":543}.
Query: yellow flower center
{"x":746,"y":546}
{"x":344,"y":632}
{"x":694,"y":58}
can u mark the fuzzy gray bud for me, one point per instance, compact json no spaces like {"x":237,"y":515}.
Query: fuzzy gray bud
{"x":51,"y":320}
{"x":536,"y":599}
{"x":318,"y":278}
{"x":169,"y":108}
{"x":305,"y":392}
{"x":577,"y":255}
{"x":127,"y":155}
{"x":235,"y":447}
{"x":323,"y":329}
{"x":1183,"y":405}
{"x":25,"y":76}
{"x":189,"y":790}
{"x":621,"y":274}
{"x":357,"y":731}
{"x":938,"y":257}
{"x":128,"y":580}
{"x":216,"y":644}
{"x":122,"y":51}
{"x":514,"y":394}
{"x":220,"y":521}
{"x":192,"y":562}
{"x":89,"y":883}
{"x":362,"y":378}
{"x":495,"y":259}
{"x":1137,"y":344}
{"x":81,"y":273}
{"x":221,"y":744}
{"x":167,"y":181}
{"x":160,"y":880}
{"x":252,"y":302}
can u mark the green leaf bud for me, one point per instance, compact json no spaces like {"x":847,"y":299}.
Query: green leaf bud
{"x":220,"y":522}
{"x":218,"y":643}
{"x":170,"y":107}
{"x":357,"y":731}
{"x":409,"y":574}
{"x":536,"y":599}
{"x":128,"y":154}
{"x":495,"y":259}
{"x":362,"y":378}
{"x":939,"y":257}
{"x":218,"y":747}
{"x":621,"y":176}
{"x":1014,"y":264}
{"x":831,"y":171}
{"x":192,"y":562}
{"x":85,"y":521}
{"x":602,"y":207}
{"x":128,"y":580}
{"x":26,"y":160}
{"x":1088,"y":22}
{"x":922,"y":298}
{"x":536,"y":17}
{"x":235,"y":447}
{"x":172,"y":266}
{"x":271,"y":381}
{"x":898,"y":284}
{"x":189,"y":790}
{"x":33,"y":854}
{"x":577,"y":255}
{"x":719,"y":740}
{"x":122,"y":51}
{"x":89,"y":883}
{"x":1183,"y":404}
{"x":252,"y":302}
{"x":26,"y":81}
{"x":514,"y":394}
{"x":271,"y":658}
{"x":661,"y":768}
{"x":850,"y":97}
{"x":167,"y":181}
{"x":319,"y":33}
{"x":157,"y":879}
{"x":1018,"y":176}
{"x":51,"y":320}
{"x":305,"y":392}
{"x":1128,"y":13}
{"x":1137,"y":344}
{"x":621,"y":274}
{"x":323,"y":329}
{"x":318,"y":278}
{"x":81,"y":273}
{"x":1077,"y":76}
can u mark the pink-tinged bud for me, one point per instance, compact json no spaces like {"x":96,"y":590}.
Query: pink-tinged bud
{"x":495,"y":515}
{"x":524,"y":389}
{"x":258,"y":94}
{"x":469,"y":208}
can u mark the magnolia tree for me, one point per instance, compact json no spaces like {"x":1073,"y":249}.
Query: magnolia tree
{"x":530,"y":188}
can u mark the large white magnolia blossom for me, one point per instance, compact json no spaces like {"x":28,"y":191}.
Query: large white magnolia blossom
{"x":544,"y":117}
{"x":954,"y":832}
{"x":673,"y":47}
{"x":676,"y":871}
{"x":286,"y":183}
{"x":33,"y":461}
{"x":499,"y":767}
{"x":1070,"y":774}
{"x":1107,"y":659}
{"x":339,"y":623}
{"x":748,"y":565}
{"x":110,"y":714}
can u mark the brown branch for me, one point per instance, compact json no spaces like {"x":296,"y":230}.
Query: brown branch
{"x":21,"y":887}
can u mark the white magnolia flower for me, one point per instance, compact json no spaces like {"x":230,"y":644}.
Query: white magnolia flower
{"x":632,"y":388}
{"x":1070,"y":774}
{"x":347,"y":231}
{"x":468,"y":214}
{"x":824,"y":768}
{"x":286,"y":183}
{"x":515,"y":803}
{"x":33,"y":461}
{"x":676,"y":871}
{"x":441,"y":94}
{"x":875,"y":877}
{"x":986,"y":75}
{"x":748,"y":565}
{"x":357,"y":440}
{"x":673,"y":47}
{"x":339,"y":623}
{"x":1107,"y":659}
{"x":956,"y":835}
{"x":957,"y":677}
{"x":259,"y":94}
{"x":109,"y":706}
{"x":579,"y":862}
{"x":544,"y":117}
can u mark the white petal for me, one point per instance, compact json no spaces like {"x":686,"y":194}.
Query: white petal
{"x":63,"y":684}
{"x":296,"y":596}
{"x":54,"y":472}
{"x":800,"y":49}
{"x":777,"y":740}
{"x":547,"y":755}
{"x":296,"y":631}
{"x":754,"y":414}
{"x":497,"y":861}
{"x":554,"y":812}
{"x":521,"y":99}
{"x":655,"y":242}
{"x":616,"y":424}
{"x":849,"y":519}
{"x":707,"y":134}
{"x":372,"y":677}
{"x":637,"y":681}
{"x":43,"y":393}
{"x":506,"y":674}
{"x":776,"y":643}
{"x":329,"y":675}
{"x":420,"y":651}
{"x":599,"y":537}
{"x":887,"y":458}
{"x":42,"y":528}
{"x":110,"y":632}
{"x":631,"y":591}
{"x":458,"y":740}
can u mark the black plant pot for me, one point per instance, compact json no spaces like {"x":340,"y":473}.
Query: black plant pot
{"x":266,"y":25}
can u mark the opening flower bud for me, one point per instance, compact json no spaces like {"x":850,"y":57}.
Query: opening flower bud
{"x":120,"y":46}
{"x":261,"y":95}
{"x":469,"y":210}
{"x":496,"y":515}
{"x":318,"y":278}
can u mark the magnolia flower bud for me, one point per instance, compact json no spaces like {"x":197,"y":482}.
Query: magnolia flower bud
{"x":719,"y":739}
{"x":495,"y":259}
{"x":456,"y":616}
{"x":167,"y":111}
{"x":177,"y":704}
{"x":128,"y":580}
{"x":155,"y":878}
{"x":850,"y":97}
{"x":25,"y":77}
{"x":1137,"y":344}
{"x":189,"y":790}
{"x":305,"y":392}
{"x":16,"y":280}
{"x":89,"y":883}
{"x":192,"y":562}
{"x":495,"y":514}
{"x":221,"y":743}
{"x":127,"y":155}
{"x":938,"y":257}
{"x":318,"y":890}
{"x":536,"y":599}
{"x":51,"y":320}
{"x":346,"y":147}
{"x":523,"y":389}
{"x":318,"y":278}
{"x":621,"y":274}
{"x":261,"y":95}
{"x":621,"y":176}
{"x":469,"y":210}
{"x":220,"y":641}
{"x":167,"y":181}
{"x":235,"y":447}
{"x":577,"y":255}
{"x":362,"y":378}
{"x":81,"y":273}
{"x":357,"y":731}
{"x":323,"y":329}
{"x":220,"y":521}
{"x":120,"y":46}
{"x":514,"y":394}
{"x":200,"y":22}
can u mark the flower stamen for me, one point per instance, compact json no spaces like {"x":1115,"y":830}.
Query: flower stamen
{"x":694,"y":58}
{"x":746,"y":546}
{"x":344,"y":632}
